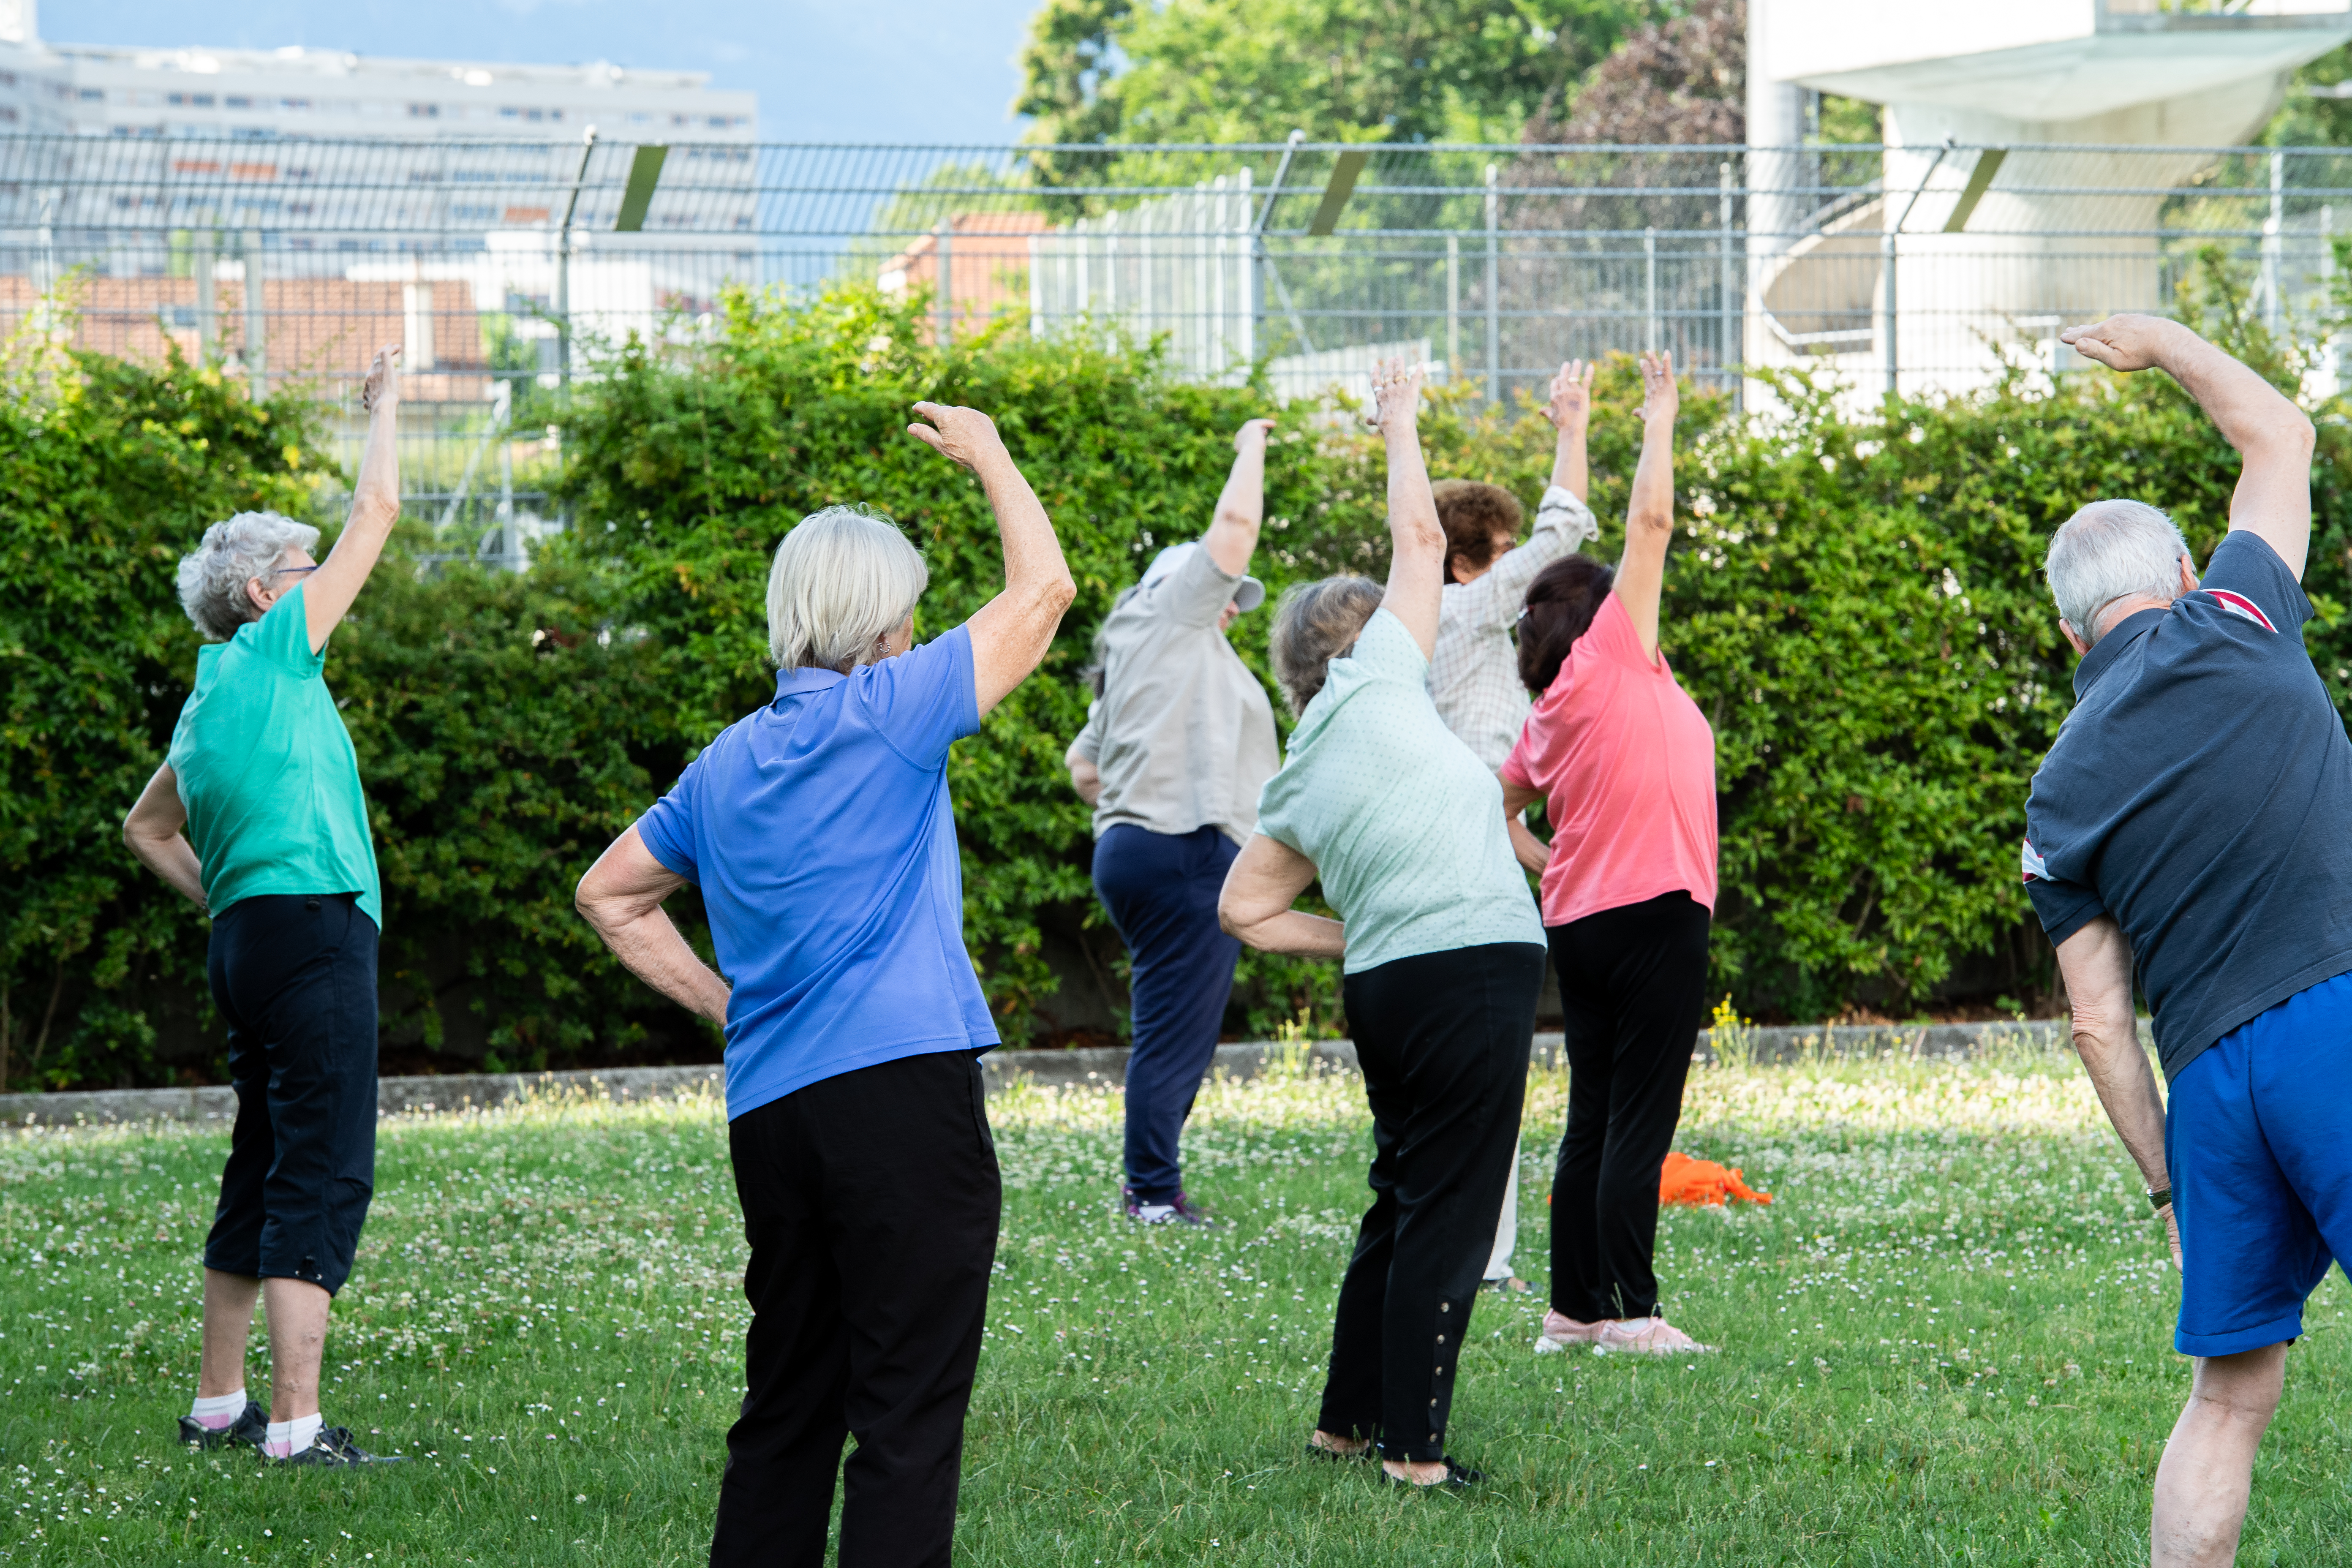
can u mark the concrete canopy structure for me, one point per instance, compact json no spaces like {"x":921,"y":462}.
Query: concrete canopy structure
{"x":2020,"y":128}
{"x":2021,"y":62}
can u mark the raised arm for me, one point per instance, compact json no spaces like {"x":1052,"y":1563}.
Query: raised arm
{"x":1503,"y":591}
{"x":375,"y":506}
{"x":1649,"y":512}
{"x":2096,"y":964}
{"x":1241,"y":508}
{"x":2273,"y":437}
{"x":1417,"y":562}
{"x":152,"y":832}
{"x":1264,"y":880}
{"x":1010,"y":632}
{"x":622,"y":896}
{"x":1570,"y":413}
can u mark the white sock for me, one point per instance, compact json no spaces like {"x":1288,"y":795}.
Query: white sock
{"x":291,"y":1436}
{"x":218,"y":1412}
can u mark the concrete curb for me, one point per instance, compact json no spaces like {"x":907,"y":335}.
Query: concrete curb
{"x":1100,"y":1070}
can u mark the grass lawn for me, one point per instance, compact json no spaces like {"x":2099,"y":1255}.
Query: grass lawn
{"x":1947,"y":1341}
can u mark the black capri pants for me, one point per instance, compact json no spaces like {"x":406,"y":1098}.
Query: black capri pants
{"x":1442,"y":1040}
{"x":1632,"y":990}
{"x":293,"y":976}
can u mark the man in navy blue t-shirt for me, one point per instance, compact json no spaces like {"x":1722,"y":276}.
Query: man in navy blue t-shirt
{"x":2192,"y":829}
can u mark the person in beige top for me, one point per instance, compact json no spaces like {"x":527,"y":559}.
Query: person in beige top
{"x":1172,"y":759}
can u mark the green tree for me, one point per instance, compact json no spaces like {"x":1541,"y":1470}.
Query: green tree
{"x":1252,"y":70}
{"x":2305,"y":121}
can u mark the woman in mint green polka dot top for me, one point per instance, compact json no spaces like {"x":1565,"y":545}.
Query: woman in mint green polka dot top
{"x":1442,"y":951}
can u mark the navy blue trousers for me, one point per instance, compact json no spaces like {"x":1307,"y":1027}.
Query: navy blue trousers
{"x":1161,"y":891}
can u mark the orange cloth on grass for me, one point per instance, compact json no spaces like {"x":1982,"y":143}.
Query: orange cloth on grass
{"x":1683,"y":1180}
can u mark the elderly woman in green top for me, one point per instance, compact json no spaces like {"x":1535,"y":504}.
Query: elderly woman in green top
{"x":262,"y":775}
{"x":1442,"y":955}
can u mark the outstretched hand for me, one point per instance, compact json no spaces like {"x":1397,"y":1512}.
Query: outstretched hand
{"x":1396,"y":395}
{"x":1571,"y":395}
{"x":963,"y":435}
{"x":1252,"y":431}
{"x":1661,"y":398}
{"x":381,"y":387}
{"x":2129,"y":342}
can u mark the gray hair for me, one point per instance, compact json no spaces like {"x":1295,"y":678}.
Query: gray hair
{"x":844,"y":579}
{"x":232,"y":554}
{"x":2111,"y":549}
{"x":1316,"y":623}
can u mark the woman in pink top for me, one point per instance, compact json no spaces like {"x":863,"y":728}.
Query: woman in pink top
{"x":1624,"y":764}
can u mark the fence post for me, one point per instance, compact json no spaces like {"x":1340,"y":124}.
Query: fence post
{"x":1453,"y":304}
{"x":2273,"y":275}
{"x":256,"y":333}
{"x":1650,"y":283}
{"x":1887,"y":303}
{"x":1729,"y":353}
{"x":563,"y":264}
{"x":2327,"y":295}
{"x":207,"y":324}
{"x":940,"y":251}
{"x":1036,"y":293}
{"x":1245,"y":274}
{"x":1213,"y":210}
{"x":1494,"y":302}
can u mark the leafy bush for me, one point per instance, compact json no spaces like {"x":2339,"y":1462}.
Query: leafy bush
{"x":107,"y":472}
{"x":1854,"y":600}
{"x":698,"y":460}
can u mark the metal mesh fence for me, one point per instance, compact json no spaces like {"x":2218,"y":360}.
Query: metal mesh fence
{"x":495,"y":262}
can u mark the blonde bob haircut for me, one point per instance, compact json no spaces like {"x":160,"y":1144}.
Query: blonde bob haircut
{"x":844,"y":579}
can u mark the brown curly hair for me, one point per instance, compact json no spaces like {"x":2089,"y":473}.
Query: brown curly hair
{"x":1476,"y":518}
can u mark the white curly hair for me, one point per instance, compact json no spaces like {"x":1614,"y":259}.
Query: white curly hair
{"x":213,"y":576}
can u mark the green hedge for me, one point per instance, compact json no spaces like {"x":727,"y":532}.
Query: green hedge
{"x":1853,"y":600}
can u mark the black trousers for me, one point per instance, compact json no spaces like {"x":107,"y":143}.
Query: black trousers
{"x":293,"y":976}
{"x":1161,"y":891}
{"x":871,"y":1203}
{"x":1633,"y":989}
{"x":1442,"y":1041}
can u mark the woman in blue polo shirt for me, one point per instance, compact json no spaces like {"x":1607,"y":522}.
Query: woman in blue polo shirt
{"x":820,"y":832}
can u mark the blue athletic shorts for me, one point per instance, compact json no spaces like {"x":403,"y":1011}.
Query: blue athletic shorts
{"x":2258,"y":1137}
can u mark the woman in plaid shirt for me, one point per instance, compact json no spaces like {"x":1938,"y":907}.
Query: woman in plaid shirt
{"x":1473,"y":671}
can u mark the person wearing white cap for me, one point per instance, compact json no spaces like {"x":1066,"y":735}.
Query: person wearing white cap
{"x":1172,"y":758}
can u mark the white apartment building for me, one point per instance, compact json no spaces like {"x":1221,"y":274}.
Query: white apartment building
{"x":173,"y":177}
{"x":268,"y":94}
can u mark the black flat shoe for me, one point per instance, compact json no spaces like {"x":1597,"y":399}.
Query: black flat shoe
{"x":1459,"y":1477}
{"x":249,"y":1429}
{"x":333,"y":1445}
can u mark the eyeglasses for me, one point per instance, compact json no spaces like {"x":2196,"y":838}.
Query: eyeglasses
{"x":296,"y":570}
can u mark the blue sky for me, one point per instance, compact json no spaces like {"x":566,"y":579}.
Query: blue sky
{"x":825,"y":70}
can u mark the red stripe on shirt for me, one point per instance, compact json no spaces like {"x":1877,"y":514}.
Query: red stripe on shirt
{"x":2239,"y":603}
